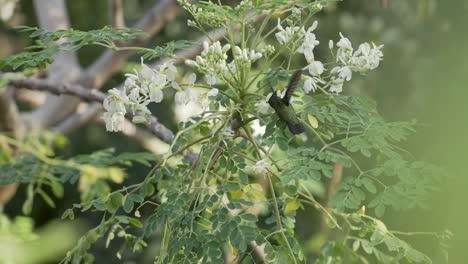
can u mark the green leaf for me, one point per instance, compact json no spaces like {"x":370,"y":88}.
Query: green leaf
{"x":128,"y":205}
{"x":136,"y":198}
{"x":291,"y":206}
{"x":57,"y":188}
{"x":46,"y":198}
{"x":114,"y":202}
{"x":369,"y":185}
{"x":249,"y":217}
{"x":380,"y":210}
{"x":68,"y":214}
{"x":356,"y":245}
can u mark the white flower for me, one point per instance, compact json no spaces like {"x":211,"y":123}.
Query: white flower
{"x":203,"y":99}
{"x":345,"y":50}
{"x":366,"y":58}
{"x":315,"y":68}
{"x":213,"y":92}
{"x":156,"y":95}
{"x":345,"y":73}
{"x":130,"y":83}
{"x":211,"y":79}
{"x":114,"y":121}
{"x":115,"y":101}
{"x":330,"y":44}
{"x":212,"y":59}
{"x":336,"y":85}
{"x":284,"y":36}
{"x":262,"y":107}
{"x":182,"y":97}
{"x":191,"y":80}
{"x":268,"y":50}
{"x":344,"y":43}
{"x":170,"y":70}
{"x":309,"y":84}
{"x":146,"y":73}
{"x":309,"y":43}
{"x":246,"y":55}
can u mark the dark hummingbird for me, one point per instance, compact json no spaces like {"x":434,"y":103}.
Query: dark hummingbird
{"x":284,"y":108}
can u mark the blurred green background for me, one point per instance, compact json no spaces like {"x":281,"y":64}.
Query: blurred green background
{"x":424,"y":76}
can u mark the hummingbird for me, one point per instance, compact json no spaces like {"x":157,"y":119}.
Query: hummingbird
{"x":283,"y":107}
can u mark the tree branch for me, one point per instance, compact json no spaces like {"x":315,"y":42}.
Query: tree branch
{"x":52,"y":15}
{"x":331,"y":191}
{"x":213,"y":35}
{"x":56,"y":109}
{"x":90,"y":112}
{"x":112,"y":61}
{"x":9,"y":115}
{"x":116,"y":13}
{"x":9,"y":122}
{"x":59,"y":88}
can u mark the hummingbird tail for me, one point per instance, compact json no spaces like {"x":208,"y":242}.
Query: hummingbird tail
{"x":296,"y":128}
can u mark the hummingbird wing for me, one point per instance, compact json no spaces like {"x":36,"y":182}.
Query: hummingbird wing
{"x":292,"y":86}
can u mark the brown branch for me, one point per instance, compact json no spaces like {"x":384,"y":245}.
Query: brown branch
{"x":59,"y":88}
{"x":9,"y":115}
{"x":11,"y":123}
{"x":82,"y":118}
{"x":30,"y":97}
{"x":141,"y":136}
{"x":89,"y":112}
{"x":116,"y":13}
{"x":331,"y":191}
{"x":112,"y":61}
{"x":56,"y":109}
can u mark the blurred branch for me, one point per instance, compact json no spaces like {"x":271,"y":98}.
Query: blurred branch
{"x":331,"y":191}
{"x":58,"y":88}
{"x":141,"y":136}
{"x":10,"y":123}
{"x":76,"y":120}
{"x":53,"y":15}
{"x":85,"y":114}
{"x":9,"y":115}
{"x":213,"y":35}
{"x":80,"y":118}
{"x":110,"y":61}
{"x":116,"y":13}
{"x":30,"y":97}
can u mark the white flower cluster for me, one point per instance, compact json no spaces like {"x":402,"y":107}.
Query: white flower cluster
{"x":213,"y":61}
{"x":140,"y":88}
{"x":288,"y":34}
{"x":146,"y":86}
{"x":246,"y":56}
{"x":366,"y":58}
{"x":309,"y":43}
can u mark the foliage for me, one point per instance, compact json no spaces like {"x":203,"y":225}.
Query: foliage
{"x":244,"y":187}
{"x":50,"y":43}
